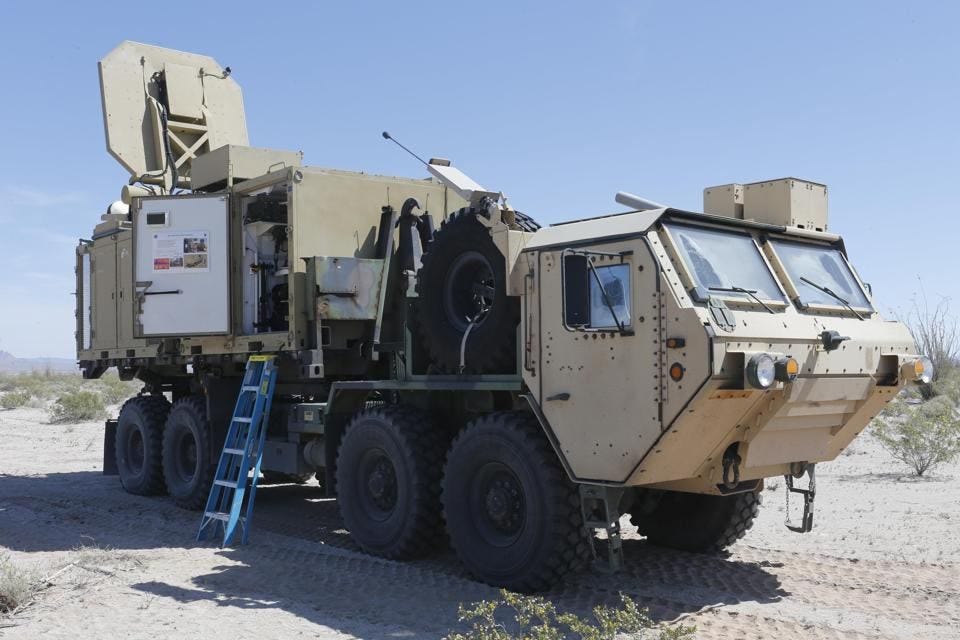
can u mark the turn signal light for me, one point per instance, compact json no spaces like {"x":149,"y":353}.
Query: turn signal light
{"x":787,"y":369}
{"x":676,"y":371}
{"x":923,"y":368}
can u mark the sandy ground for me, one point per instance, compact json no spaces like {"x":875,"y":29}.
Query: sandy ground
{"x":883,"y":561}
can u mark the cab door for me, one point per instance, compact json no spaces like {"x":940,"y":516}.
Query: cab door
{"x":599,"y":355}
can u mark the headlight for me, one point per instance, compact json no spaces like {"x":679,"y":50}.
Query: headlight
{"x":761,"y":371}
{"x":923,"y":367}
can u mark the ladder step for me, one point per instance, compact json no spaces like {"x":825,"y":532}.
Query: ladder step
{"x":244,"y":442}
{"x":216,"y":515}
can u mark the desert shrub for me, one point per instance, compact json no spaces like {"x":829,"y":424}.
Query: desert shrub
{"x":114,"y":390}
{"x":17,"y":585}
{"x":42,"y":384}
{"x":14,"y":399}
{"x":929,"y":436}
{"x":78,"y":406}
{"x":937,"y":334}
{"x":948,"y":384}
{"x":896,"y":408}
{"x":535,"y":618}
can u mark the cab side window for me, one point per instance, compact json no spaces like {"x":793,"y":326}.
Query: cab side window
{"x":595,"y":296}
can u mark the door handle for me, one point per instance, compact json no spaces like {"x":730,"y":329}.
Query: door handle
{"x":161,"y":293}
{"x":559,"y":396}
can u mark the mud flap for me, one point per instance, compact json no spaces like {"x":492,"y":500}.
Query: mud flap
{"x":221,"y":395}
{"x":110,"y":448}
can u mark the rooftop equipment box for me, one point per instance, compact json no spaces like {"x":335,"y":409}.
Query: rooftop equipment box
{"x":724,"y":200}
{"x":789,"y":202}
{"x":230,"y":164}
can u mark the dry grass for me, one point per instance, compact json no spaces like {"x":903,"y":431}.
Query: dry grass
{"x":18,"y":586}
{"x":85,"y":566}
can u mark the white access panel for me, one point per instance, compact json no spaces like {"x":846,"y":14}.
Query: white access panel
{"x":181,"y":270}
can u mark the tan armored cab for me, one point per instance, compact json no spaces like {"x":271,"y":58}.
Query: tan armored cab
{"x":658,"y":362}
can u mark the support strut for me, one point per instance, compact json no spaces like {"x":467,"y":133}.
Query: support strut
{"x":809,"y":494}
{"x":600,"y":507}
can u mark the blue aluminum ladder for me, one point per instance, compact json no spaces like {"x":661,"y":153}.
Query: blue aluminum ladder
{"x":242,"y":452}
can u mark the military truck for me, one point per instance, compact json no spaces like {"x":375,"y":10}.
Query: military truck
{"x":511,"y":388}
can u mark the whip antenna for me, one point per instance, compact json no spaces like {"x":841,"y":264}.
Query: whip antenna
{"x":387,"y":136}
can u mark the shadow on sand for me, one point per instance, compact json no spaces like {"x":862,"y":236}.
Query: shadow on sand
{"x":301,"y":560}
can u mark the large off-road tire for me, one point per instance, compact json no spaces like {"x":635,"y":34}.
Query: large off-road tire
{"x":525,"y":222}
{"x":388,"y":481}
{"x":697,"y":522}
{"x":512,"y":514}
{"x":138,"y":444}
{"x":186,"y":453}
{"x":462,"y":271}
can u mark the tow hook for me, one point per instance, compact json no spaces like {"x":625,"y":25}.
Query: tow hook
{"x":731,"y":462}
{"x":798,"y":471}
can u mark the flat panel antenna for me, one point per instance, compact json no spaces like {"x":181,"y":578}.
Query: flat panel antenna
{"x":162,"y":108}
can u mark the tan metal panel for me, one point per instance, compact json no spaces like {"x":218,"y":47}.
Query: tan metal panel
{"x":125,"y":291}
{"x":611,"y":416}
{"x":595,"y":230}
{"x":348,"y":288}
{"x":184,"y":90}
{"x":103,"y":283}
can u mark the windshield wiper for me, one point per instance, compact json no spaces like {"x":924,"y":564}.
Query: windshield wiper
{"x":606,"y":298}
{"x":750,"y":292}
{"x":833,"y":295}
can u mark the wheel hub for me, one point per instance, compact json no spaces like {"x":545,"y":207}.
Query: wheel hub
{"x":503,"y":506}
{"x":469,"y":289}
{"x":382,"y":484}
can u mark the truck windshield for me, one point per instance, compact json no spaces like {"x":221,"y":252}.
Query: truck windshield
{"x":721,"y":262}
{"x":816,"y":271}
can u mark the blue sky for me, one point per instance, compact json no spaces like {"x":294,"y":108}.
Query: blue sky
{"x":557,"y":104}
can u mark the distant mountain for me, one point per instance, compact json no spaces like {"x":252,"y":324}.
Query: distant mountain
{"x":9,"y":363}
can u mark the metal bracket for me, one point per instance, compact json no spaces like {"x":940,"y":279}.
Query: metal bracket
{"x":600,"y":508}
{"x":809,"y":494}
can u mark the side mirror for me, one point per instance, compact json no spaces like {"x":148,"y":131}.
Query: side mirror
{"x":576,"y":291}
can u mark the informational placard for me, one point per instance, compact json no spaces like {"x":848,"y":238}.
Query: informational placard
{"x":181,"y":251}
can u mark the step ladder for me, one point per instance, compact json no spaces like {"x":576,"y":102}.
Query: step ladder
{"x":241,"y":455}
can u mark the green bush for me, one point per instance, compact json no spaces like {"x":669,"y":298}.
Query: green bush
{"x":78,"y":406}
{"x":14,"y":399}
{"x":948,"y":384}
{"x":43,"y":386}
{"x":929,"y":436}
{"x":537,"y":619}
{"x":114,"y":390}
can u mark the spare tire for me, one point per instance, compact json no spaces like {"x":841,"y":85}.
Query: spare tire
{"x":462,"y":273}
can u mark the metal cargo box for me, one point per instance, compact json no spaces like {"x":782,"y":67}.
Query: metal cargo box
{"x":230,"y":164}
{"x":789,"y":202}
{"x":724,"y":200}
